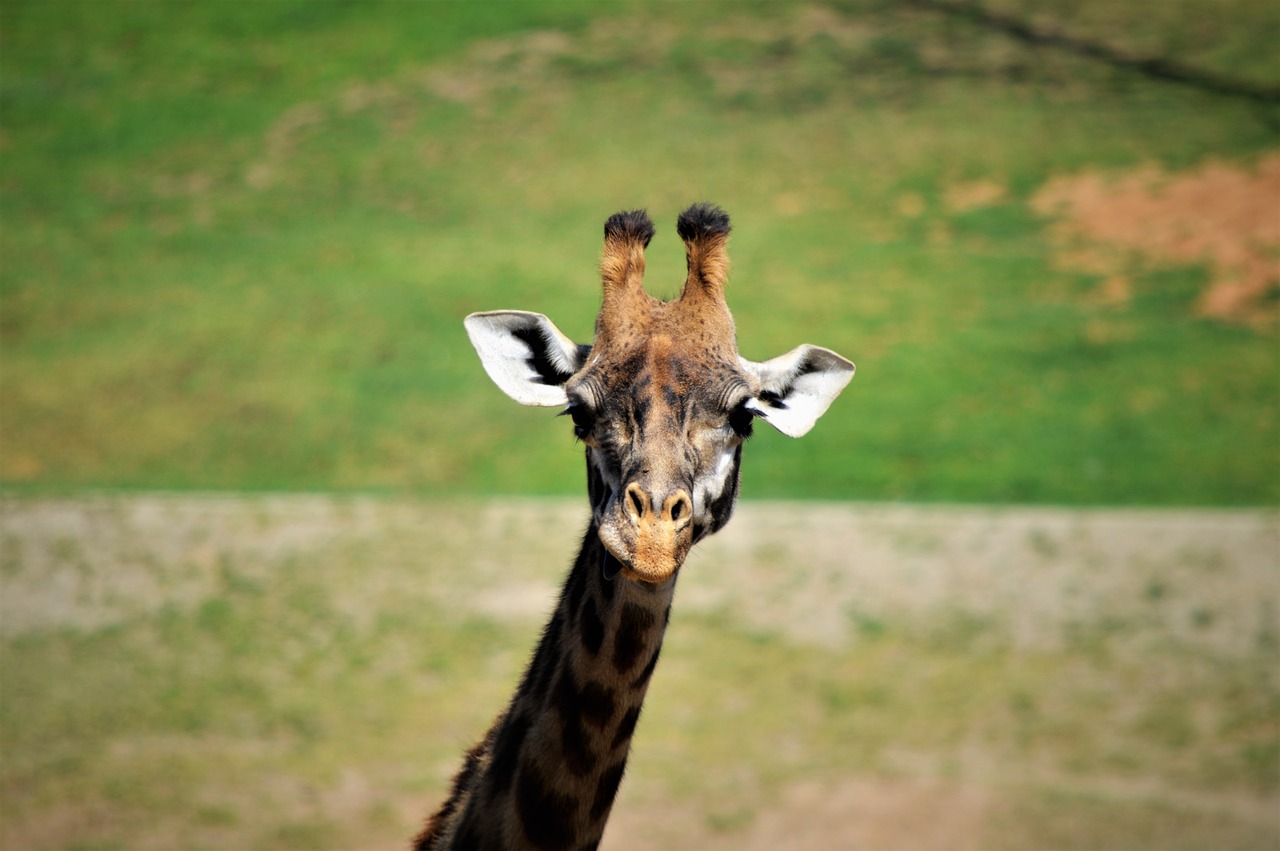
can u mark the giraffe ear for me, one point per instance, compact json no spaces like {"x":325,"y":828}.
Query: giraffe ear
{"x":798,"y":387}
{"x":525,"y":355}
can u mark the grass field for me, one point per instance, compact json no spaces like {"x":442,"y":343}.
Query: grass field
{"x":239,"y":239}
{"x":303,"y":672}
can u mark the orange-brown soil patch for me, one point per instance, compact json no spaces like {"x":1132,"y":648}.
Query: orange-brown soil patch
{"x":972,"y":195}
{"x":1219,"y":215}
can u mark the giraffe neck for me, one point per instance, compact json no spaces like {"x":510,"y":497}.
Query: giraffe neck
{"x":547,"y":773}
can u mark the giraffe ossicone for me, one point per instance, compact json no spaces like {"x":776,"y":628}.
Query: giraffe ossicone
{"x":662,"y":403}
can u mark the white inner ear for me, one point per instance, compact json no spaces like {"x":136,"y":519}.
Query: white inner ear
{"x":798,"y":387}
{"x":525,"y":355}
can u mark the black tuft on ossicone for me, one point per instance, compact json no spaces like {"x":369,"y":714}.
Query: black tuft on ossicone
{"x":629,"y":225}
{"x":702,"y":220}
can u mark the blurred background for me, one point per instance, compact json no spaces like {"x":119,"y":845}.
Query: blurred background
{"x":273,"y":548}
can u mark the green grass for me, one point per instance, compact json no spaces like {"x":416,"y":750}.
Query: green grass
{"x":239,"y":240}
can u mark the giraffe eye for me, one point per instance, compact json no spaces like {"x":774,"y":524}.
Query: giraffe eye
{"x":740,"y":420}
{"x":583,"y":419}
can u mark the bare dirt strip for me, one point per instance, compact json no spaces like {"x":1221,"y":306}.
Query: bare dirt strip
{"x":805,"y":570}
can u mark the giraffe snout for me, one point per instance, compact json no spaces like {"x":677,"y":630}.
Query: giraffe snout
{"x":651,"y":542}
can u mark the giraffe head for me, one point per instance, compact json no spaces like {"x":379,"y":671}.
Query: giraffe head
{"x":661,"y":398}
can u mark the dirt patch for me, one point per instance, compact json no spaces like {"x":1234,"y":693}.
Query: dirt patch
{"x":1219,"y":215}
{"x":826,"y":573}
{"x":812,"y":572}
{"x":972,"y":195}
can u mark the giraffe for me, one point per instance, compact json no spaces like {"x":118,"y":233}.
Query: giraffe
{"x":662,"y":402}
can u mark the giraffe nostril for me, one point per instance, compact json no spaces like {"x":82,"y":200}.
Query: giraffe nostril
{"x":638,"y":501}
{"x":680,"y":510}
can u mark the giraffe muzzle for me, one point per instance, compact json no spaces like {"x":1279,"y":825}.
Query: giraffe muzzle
{"x":647,"y":540}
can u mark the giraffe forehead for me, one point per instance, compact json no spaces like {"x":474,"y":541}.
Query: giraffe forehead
{"x":694,"y":328}
{"x":666,"y":347}
{"x":664,"y":373}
